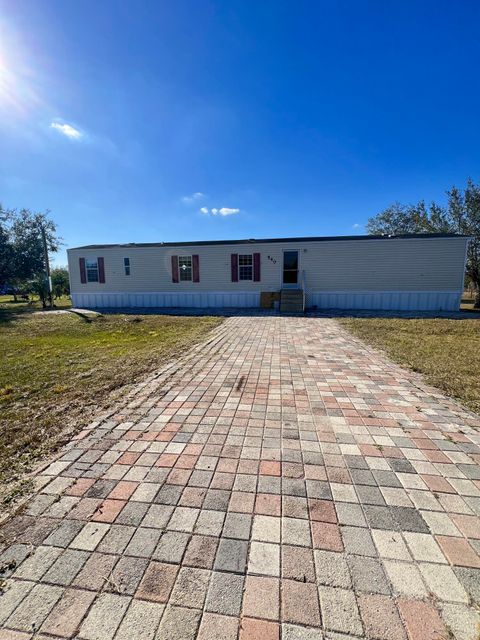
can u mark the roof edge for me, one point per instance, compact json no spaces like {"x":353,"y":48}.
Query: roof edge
{"x":191,"y":243}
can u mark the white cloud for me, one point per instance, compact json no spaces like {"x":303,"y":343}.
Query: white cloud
{"x":356,"y":226}
{"x":198,"y":195}
{"x":67,"y":130}
{"x":224,"y":211}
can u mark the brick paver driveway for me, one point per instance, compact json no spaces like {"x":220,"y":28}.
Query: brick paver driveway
{"x":282,"y":481}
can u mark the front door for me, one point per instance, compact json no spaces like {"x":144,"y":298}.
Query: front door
{"x":290,"y":270}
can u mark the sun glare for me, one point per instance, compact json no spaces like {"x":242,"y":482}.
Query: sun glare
{"x":7,"y":83}
{"x":17,"y":93}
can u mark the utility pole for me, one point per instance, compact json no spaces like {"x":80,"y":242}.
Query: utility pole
{"x":47,"y":265}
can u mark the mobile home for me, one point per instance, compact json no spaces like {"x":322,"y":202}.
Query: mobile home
{"x":409,"y":272}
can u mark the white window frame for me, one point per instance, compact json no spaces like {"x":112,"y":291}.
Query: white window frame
{"x":91,"y":270}
{"x":185,"y":269}
{"x":126,"y":266}
{"x":245,"y":271}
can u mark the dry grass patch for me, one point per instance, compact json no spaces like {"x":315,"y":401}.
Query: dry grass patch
{"x":446,"y":352}
{"x":56,"y":369}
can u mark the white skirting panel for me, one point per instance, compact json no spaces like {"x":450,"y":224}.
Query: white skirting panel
{"x":386,"y":300}
{"x":202,"y":300}
{"x":373,"y":300}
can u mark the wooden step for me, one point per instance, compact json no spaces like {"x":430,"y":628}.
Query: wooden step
{"x":291,"y":300}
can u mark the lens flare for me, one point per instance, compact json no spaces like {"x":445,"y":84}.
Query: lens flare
{"x":18,"y":93}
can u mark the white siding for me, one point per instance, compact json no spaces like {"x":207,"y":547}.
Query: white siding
{"x":359,"y":268}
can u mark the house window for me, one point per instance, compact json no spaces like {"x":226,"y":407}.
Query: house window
{"x":185,"y":268}
{"x":126,"y":265}
{"x":245,"y":267}
{"x":91,"y":267}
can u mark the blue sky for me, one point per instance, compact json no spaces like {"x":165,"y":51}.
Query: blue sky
{"x":127,"y":119}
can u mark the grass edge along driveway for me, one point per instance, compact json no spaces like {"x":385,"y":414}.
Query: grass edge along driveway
{"x":446,"y":352}
{"x":56,"y":370}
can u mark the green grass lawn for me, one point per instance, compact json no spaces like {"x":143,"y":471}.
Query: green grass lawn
{"x":446,"y":352}
{"x":56,"y":369}
{"x":9,"y":307}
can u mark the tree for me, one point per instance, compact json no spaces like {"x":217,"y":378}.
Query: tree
{"x":60,"y":282}
{"x":401,"y":219}
{"x":39,"y":286}
{"x":26,"y":231}
{"x":467,"y":208}
{"x":6,"y":251}
{"x":22,"y":256}
{"x":461,"y":215}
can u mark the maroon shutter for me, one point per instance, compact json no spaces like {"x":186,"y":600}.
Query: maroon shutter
{"x":101,"y":270}
{"x":234,"y":259}
{"x":195,"y":268}
{"x":256,"y":267}
{"x":83,"y":271}
{"x":174,"y":268}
